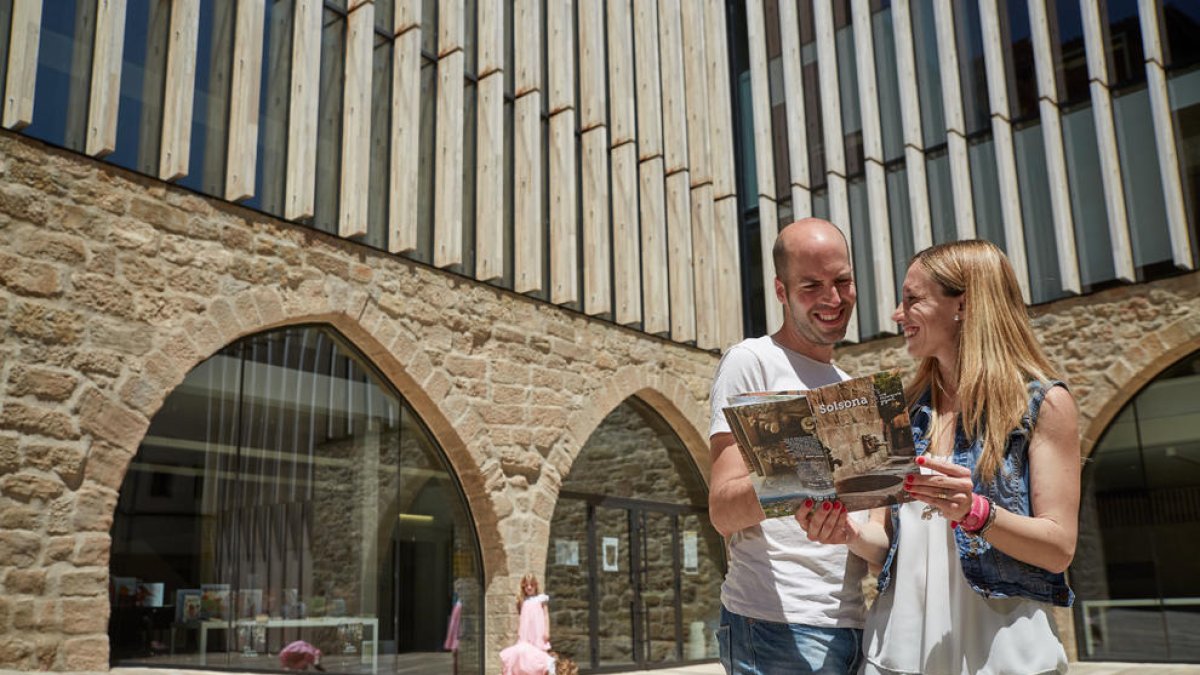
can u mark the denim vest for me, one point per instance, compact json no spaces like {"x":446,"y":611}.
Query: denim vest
{"x":990,"y":572}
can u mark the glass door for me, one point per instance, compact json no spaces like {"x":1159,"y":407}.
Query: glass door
{"x":656,"y":606}
{"x":613,"y":592}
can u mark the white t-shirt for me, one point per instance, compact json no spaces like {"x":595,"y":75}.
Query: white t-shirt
{"x":775,"y":572}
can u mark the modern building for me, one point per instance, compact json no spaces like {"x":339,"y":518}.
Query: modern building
{"x":330,"y":320}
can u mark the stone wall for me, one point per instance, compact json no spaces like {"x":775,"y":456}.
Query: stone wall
{"x":113,"y":286}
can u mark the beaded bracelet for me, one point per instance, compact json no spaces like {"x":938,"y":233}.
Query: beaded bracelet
{"x":991,"y":518}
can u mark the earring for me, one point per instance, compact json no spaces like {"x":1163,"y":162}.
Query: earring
{"x":956,"y":317}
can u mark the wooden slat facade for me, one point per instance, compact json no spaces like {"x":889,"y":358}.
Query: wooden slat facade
{"x":528,"y":240}
{"x":489,"y":178}
{"x":564,"y":268}
{"x":356,"y":122}
{"x":180,"y":86}
{"x":406,"y":135}
{"x":674,"y":97}
{"x":448,"y":172}
{"x":597,"y":244}
{"x":649,"y":84}
{"x":106,"y":77}
{"x":21,"y":78}
{"x":627,"y":283}
{"x":300,"y":190}
{"x":622,"y":110}
{"x":655,"y":284}
{"x":679,"y":257}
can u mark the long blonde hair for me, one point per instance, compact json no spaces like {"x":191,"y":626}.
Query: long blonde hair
{"x":997,"y":351}
{"x":531,"y":580}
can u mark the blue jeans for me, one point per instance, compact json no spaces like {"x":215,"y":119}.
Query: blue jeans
{"x":757,"y":647}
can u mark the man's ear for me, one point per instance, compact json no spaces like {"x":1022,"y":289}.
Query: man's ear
{"x":780,"y":291}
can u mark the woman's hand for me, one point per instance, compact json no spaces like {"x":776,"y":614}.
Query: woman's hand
{"x":826,"y":523}
{"x":948,"y":489}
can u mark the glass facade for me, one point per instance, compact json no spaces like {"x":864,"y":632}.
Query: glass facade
{"x":285,"y":492}
{"x":633,"y":568}
{"x":1138,"y":596}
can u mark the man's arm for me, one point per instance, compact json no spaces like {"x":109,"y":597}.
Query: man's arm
{"x":732,"y":504}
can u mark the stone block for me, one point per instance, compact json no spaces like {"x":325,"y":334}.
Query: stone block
{"x":92,"y":548}
{"x":25,"y":582}
{"x":10,"y":456}
{"x":26,"y":277}
{"x":106,"y":419}
{"x":26,"y":486}
{"x":43,"y":383}
{"x":22,"y":517}
{"x":38,"y":420}
{"x":45,"y":245}
{"x":83,"y":582}
{"x":19,"y":548}
{"x":94,"y":507}
{"x":64,"y":460}
{"x":158,"y":214}
{"x":86,"y":653}
{"x":106,"y":464}
{"x":58,"y":549}
{"x":50,"y":325}
{"x":16,"y":652}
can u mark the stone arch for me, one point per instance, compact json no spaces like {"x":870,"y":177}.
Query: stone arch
{"x":665,"y":394}
{"x":1133,"y":371}
{"x":118,"y":426}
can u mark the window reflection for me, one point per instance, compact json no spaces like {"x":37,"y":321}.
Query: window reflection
{"x":143,"y":74}
{"x":1134,"y":569}
{"x":64,"y":72}
{"x":1181,"y":32}
{"x":284,"y":493}
{"x":210,"y":107}
{"x":1070,"y":54}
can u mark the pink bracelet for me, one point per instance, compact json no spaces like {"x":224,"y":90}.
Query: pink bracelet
{"x":980,"y":509}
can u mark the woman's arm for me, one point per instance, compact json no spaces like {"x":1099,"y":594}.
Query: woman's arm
{"x":868,"y":540}
{"x":1047,"y":538}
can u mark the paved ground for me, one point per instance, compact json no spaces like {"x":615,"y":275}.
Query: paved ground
{"x":1092,"y":668}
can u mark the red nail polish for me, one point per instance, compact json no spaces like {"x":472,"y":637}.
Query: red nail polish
{"x":808,"y":503}
{"x":909,"y":478}
{"x":953,"y":524}
{"x":843,"y":506}
{"x":921,"y":460}
{"x":825,"y":506}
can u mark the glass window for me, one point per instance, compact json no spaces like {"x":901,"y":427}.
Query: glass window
{"x":1133,"y":572}
{"x":634,"y":568}
{"x":887,"y":83}
{"x":900,"y":221}
{"x":929,"y":83}
{"x":1069,"y":51}
{"x":820,"y":203}
{"x":5,"y":35}
{"x":1022,"y":72}
{"x":381,"y":145}
{"x":210,"y":107}
{"x":847,"y":69}
{"x":1045,"y":283}
{"x":1185,"y":105}
{"x":1124,"y":33}
{"x":977,"y":111}
{"x":779,"y":127}
{"x":285,"y":492}
{"x":1140,"y":175}
{"x":1180,"y":32}
{"x":941,"y":196}
{"x":864,"y":268}
{"x":270,"y":178}
{"x":64,"y":73}
{"x":812,"y":114}
{"x":429,"y":82}
{"x":985,"y":191}
{"x":1092,"y":241}
{"x":143,"y":75}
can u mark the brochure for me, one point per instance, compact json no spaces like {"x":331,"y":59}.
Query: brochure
{"x":849,"y":441}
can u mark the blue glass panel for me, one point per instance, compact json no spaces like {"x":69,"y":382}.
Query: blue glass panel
{"x":1185,"y":104}
{"x":1070,"y":53}
{"x":1022,"y":78}
{"x":1045,"y":282}
{"x":270,"y":175}
{"x":847,"y":69}
{"x":900,"y":222}
{"x":1181,"y":32}
{"x":143,"y":73}
{"x":1140,"y":175}
{"x":929,"y":83}
{"x":64,"y":72}
{"x":1125,"y":55}
{"x":941,"y":197}
{"x":210,"y":108}
{"x":864,"y":268}
{"x":972,"y":69}
{"x":887,"y":85}
{"x":329,"y":121}
{"x":1092,"y":242}
{"x":985,"y":190}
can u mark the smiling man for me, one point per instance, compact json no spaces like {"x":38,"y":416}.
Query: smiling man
{"x":789,"y":605}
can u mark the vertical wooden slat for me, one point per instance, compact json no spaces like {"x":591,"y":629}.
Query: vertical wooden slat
{"x":245,"y":89}
{"x":1006,"y":163}
{"x":880,"y":226}
{"x":1052,"y":140}
{"x":696,"y":92}
{"x":674,"y":104}
{"x":592,"y":86}
{"x":406,"y":137}
{"x":527,"y":47}
{"x":564,"y":267}
{"x":303,"y":109}
{"x":726,"y":253}
{"x":157,"y":39}
{"x":910,"y":114}
{"x":764,"y":157}
{"x":626,"y":251}
{"x":447,"y":205}
{"x":75,"y":135}
{"x":560,"y":69}
{"x":622,"y":113}
{"x":106,"y":77}
{"x":720,"y":102}
{"x":704,"y":269}
{"x":1106,"y":139}
{"x":655,"y":284}
{"x":489,"y":37}
{"x":406,"y":15}
{"x":451,"y":23}
{"x":489,"y":178}
{"x":649,"y":86}
{"x":356,"y":122}
{"x":216,"y":112}
{"x":21,"y":75}
{"x":729,"y":281}
{"x":597,"y":283}
{"x":679,"y":257}
{"x":174,"y":151}
{"x":952,"y":107}
{"x":527,"y":193}
{"x":1164,"y":137}
{"x":793,"y":96}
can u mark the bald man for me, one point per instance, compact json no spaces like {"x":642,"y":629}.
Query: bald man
{"x":789,"y":605}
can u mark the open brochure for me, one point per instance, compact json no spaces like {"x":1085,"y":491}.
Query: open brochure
{"x":849,"y":441}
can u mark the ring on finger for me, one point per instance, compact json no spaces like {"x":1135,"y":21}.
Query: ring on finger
{"x":943,"y":495}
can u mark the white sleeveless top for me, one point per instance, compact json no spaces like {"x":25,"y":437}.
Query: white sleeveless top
{"x":931,"y":621}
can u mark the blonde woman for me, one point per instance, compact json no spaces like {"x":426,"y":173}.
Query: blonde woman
{"x":970,"y":585}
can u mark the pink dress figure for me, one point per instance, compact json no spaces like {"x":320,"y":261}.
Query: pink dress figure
{"x":299,"y":655}
{"x":530,"y":655}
